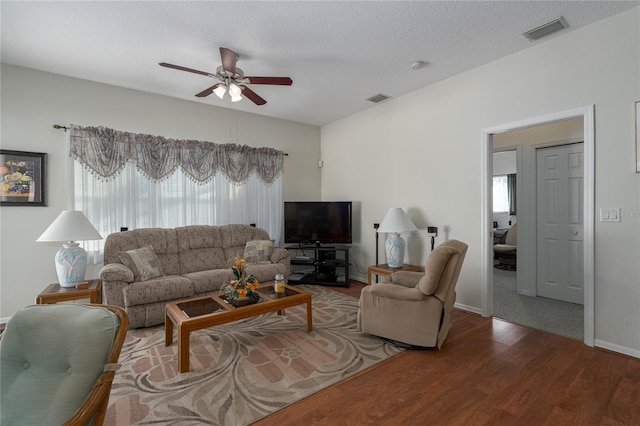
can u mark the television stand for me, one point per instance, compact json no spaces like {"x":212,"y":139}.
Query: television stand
{"x":316,"y":264}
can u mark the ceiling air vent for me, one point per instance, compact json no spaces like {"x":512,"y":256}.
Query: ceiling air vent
{"x":378,"y":98}
{"x":546,"y":29}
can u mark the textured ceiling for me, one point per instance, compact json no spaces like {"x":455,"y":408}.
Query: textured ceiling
{"x":337,"y":53}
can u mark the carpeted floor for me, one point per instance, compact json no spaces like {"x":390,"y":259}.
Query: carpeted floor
{"x":243,"y":371}
{"x":555,"y":316}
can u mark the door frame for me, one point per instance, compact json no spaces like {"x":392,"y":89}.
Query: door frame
{"x":486,"y":251}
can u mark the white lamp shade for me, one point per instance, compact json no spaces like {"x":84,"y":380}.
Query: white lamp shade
{"x":234,"y":89}
{"x":396,"y":221}
{"x":220,"y":91}
{"x":70,"y":226}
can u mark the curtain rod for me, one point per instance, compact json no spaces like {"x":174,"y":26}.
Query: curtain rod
{"x":65,"y":128}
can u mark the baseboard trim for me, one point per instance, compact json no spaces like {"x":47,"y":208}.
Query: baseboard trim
{"x":617,"y":348}
{"x":468,"y":308}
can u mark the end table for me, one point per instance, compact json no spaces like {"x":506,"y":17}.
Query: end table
{"x":384,"y":269}
{"x":54,"y":293}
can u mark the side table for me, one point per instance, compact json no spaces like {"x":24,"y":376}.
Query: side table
{"x":384,"y":269}
{"x":54,"y":293}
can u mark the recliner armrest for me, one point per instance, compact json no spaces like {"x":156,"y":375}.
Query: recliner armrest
{"x":406,"y":278}
{"x":393,"y":291}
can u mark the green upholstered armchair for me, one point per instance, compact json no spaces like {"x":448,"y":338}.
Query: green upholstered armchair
{"x":415,"y":307}
{"x":57,"y":363}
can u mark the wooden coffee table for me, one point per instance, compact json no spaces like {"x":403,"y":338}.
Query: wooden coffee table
{"x":203,"y":312}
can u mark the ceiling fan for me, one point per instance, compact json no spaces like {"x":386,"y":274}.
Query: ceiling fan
{"x":233,"y":79}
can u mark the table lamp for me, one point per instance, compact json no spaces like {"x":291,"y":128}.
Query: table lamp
{"x":71,"y":259}
{"x":395,"y":222}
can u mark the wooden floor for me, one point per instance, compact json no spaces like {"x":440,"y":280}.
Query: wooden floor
{"x":489,"y":372}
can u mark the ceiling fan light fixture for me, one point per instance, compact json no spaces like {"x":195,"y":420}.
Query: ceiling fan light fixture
{"x":236,"y":98}
{"x":235,"y":91}
{"x":220,"y":91}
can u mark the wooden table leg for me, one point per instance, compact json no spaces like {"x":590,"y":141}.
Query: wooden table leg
{"x":168,"y":330}
{"x":309,"y":316}
{"x":183,"y":349}
{"x":368,"y":276}
{"x":279,"y":296}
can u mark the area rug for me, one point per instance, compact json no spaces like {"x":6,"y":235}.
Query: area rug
{"x":242,"y":371}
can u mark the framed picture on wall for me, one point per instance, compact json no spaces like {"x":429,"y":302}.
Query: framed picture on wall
{"x":637,"y":113}
{"x":22,"y":178}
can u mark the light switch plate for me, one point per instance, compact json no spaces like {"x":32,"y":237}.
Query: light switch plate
{"x":610,"y":215}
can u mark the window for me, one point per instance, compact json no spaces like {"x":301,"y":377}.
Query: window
{"x":500,"y":194}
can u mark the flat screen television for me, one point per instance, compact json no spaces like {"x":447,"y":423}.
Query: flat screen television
{"x":317,"y":222}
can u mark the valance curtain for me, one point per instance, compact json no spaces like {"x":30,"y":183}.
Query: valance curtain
{"x":105,"y":152}
{"x":136,"y":181}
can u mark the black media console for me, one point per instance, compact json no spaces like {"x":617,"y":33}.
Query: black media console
{"x":316,"y":264}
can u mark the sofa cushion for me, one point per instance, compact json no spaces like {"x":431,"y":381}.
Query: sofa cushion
{"x":268,"y":272}
{"x":157,"y":290}
{"x":209,"y":281}
{"x":235,"y":237}
{"x":143,"y":262}
{"x":258,"y":251}
{"x":200,"y":248}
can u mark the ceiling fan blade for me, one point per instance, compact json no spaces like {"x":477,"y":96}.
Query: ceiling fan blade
{"x":229,"y":59}
{"x":181,"y":68}
{"x":280,"y":81}
{"x":206,"y":92}
{"x":252,"y":96}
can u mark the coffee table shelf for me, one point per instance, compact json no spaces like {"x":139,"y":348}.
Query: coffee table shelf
{"x":204,"y":312}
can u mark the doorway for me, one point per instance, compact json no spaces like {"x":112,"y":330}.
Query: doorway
{"x":527,"y":248}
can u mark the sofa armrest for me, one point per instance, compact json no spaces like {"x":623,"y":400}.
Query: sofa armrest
{"x":280,"y":255}
{"x":116,"y":272}
{"x":115,"y":277}
{"x":393,"y":291}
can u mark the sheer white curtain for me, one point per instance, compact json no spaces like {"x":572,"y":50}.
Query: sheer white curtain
{"x":132,"y":200}
{"x":500,"y":194}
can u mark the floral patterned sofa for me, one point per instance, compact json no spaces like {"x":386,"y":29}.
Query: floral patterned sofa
{"x":146,"y":268}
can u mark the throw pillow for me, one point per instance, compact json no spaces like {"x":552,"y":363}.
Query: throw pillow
{"x":258,"y":251}
{"x":143,"y":262}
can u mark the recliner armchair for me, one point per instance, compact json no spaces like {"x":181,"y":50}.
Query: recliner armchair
{"x":58,"y":363}
{"x":415,"y":307}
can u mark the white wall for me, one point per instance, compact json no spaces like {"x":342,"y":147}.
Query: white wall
{"x":422,"y":152}
{"x":33,"y":101}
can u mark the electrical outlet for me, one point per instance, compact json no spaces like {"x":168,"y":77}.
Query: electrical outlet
{"x":376,"y":225}
{"x":610,"y":215}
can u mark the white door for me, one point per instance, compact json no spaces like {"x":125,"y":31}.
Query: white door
{"x":559,"y":202}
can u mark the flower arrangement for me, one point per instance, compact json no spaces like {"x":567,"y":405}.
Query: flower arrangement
{"x":244,"y":285}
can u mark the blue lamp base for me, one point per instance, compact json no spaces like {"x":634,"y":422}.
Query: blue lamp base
{"x":395,"y":250}
{"x":71,"y":264}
